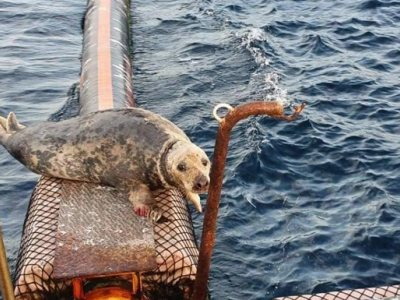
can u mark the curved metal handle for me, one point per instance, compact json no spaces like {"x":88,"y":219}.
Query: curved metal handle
{"x":273,"y":109}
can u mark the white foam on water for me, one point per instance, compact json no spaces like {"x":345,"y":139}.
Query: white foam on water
{"x":274,"y":91}
{"x":253,"y":35}
{"x":266,"y":81}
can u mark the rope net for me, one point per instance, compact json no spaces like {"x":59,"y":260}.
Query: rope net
{"x":359,"y":294}
{"x":33,"y":276}
{"x":176,"y":249}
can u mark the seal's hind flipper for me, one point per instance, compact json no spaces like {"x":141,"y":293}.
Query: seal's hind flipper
{"x":12,"y":124}
{"x":3,"y":131}
{"x":8,"y":127}
{"x":3,"y":122}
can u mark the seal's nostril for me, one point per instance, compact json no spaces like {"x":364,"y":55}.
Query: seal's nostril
{"x":202,"y":184}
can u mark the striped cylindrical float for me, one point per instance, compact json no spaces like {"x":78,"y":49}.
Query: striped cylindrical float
{"x":106,"y":78}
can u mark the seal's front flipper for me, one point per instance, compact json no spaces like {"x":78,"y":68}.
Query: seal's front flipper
{"x":144,"y":204}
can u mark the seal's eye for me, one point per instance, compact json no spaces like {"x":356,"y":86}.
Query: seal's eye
{"x":182,"y":167}
{"x":204,"y":162}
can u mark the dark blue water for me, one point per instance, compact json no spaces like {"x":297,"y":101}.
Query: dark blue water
{"x":309,"y":206}
{"x":40,"y":44}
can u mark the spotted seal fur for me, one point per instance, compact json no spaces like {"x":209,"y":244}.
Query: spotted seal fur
{"x":131,"y":149}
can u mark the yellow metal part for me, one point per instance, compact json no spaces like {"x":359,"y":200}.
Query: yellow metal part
{"x":110,"y":293}
{"x":5,"y":278}
{"x":136,"y":284}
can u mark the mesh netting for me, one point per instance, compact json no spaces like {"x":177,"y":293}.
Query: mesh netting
{"x":176,"y":249}
{"x":359,"y":294}
{"x":33,"y":277}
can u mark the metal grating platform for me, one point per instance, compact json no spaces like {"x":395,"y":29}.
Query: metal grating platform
{"x":99,"y":234}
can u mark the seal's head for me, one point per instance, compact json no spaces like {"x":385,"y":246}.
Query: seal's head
{"x":188,"y":168}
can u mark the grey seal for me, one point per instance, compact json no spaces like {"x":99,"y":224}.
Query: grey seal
{"x":131,"y":149}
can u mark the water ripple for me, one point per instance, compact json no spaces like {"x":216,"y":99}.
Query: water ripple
{"x":308,"y":206}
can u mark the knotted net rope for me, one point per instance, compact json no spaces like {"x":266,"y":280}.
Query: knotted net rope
{"x":176,"y":249}
{"x":385,"y":292}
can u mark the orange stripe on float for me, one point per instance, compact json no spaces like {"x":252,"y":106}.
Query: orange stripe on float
{"x":104,"y":83}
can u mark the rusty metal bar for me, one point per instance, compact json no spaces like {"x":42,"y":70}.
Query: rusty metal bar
{"x":273,"y":109}
{"x":77,"y":287}
{"x":5,"y":278}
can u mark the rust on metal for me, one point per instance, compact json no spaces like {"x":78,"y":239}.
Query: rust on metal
{"x":77,"y":287}
{"x":98,"y":234}
{"x":272,"y":109}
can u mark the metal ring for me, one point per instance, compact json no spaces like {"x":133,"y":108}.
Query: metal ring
{"x":222,"y":105}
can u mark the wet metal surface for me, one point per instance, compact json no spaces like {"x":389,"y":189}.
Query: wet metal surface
{"x":98,"y":234}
